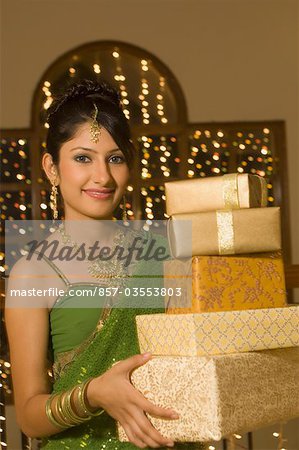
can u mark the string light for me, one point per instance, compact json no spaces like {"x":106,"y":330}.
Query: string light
{"x":120,"y":78}
{"x":143,"y":97}
{"x":153,"y":203}
{"x":48,"y":95}
{"x":97,"y":68}
{"x":144,"y":65}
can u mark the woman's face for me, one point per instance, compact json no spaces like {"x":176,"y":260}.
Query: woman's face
{"x":92,"y":177}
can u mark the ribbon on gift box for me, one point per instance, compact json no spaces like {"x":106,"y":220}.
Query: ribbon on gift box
{"x":225,"y":224}
{"x":225,"y":231}
{"x":264,"y":200}
{"x":230,"y":191}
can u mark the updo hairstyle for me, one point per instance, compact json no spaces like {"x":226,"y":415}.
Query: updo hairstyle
{"x":76,"y":107}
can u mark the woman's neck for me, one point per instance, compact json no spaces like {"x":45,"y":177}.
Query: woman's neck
{"x":90,"y":231}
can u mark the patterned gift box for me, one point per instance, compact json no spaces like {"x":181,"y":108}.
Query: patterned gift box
{"x":231,"y":191}
{"x":229,"y":232}
{"x":220,"y":395}
{"x":225,"y":283}
{"x":218,"y":332}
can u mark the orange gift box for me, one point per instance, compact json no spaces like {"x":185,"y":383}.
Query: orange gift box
{"x":224,"y":283}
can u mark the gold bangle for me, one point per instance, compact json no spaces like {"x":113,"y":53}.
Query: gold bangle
{"x":62,"y":414}
{"x":66,"y":417}
{"x":68,"y":409}
{"x":60,"y":417}
{"x":80,"y":410}
{"x":82,"y":399}
{"x":50,"y":415}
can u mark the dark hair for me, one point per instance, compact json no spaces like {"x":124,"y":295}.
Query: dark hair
{"x":76,"y":106}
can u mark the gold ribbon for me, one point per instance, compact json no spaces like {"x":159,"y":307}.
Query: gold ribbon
{"x":231,"y":194}
{"x":264,"y":190}
{"x":225,"y":223}
{"x":230,"y":191}
{"x":225,"y":229}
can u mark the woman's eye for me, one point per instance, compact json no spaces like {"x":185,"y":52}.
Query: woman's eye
{"x":117,"y":159}
{"x":82,"y":158}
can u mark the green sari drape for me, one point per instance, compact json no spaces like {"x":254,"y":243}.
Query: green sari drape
{"x":114,"y":341}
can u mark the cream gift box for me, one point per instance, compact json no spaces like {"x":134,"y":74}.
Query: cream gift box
{"x":220,"y":395}
{"x":229,"y":232}
{"x":218,"y":332}
{"x":231,"y":191}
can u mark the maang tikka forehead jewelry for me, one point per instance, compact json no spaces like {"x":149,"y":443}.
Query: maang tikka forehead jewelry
{"x":95,"y":128}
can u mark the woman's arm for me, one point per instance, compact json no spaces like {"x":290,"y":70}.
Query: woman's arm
{"x":28,"y":330}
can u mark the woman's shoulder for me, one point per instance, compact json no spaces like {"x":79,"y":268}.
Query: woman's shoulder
{"x":29,"y":264}
{"x":35,"y":260}
{"x":31,"y":272}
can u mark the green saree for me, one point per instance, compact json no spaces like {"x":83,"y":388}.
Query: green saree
{"x":79,"y":354}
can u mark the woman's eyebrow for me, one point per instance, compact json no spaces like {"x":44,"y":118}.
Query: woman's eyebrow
{"x":83,"y":148}
{"x":93,"y":150}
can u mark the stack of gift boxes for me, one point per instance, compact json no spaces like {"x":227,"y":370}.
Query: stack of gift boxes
{"x":226,"y":353}
{"x":226,"y":217}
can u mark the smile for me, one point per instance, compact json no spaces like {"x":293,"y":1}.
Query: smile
{"x":99,"y":193}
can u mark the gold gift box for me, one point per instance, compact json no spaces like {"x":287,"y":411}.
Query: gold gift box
{"x":218,"y":332}
{"x":224,"y":232}
{"x":232,"y":191}
{"x":225,"y":283}
{"x":220,"y":395}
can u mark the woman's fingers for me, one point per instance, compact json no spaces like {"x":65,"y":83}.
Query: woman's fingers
{"x":143,"y":437}
{"x":129,"y":364}
{"x":148,"y":433}
{"x":164,"y":413}
{"x":129,"y":406}
{"x":154,"y":410}
{"x":141,"y":428}
{"x":133,"y":438}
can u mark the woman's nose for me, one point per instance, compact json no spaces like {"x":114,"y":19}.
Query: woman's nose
{"x":101,"y":174}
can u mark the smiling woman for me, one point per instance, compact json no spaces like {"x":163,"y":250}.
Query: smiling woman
{"x":88,"y":168}
{"x":92,"y":177}
{"x":89,"y":158}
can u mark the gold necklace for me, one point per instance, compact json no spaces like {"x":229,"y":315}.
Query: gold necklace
{"x":111,"y":273}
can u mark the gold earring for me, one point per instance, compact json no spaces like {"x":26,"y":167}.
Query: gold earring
{"x":53,"y":201}
{"x":124,"y":213}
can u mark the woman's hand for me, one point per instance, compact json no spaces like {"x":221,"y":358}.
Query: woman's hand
{"x":114,"y":392}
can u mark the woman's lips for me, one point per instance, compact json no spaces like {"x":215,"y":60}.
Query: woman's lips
{"x":99,"y":193}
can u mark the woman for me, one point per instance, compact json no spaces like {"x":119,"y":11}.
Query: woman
{"x":89,"y":157}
